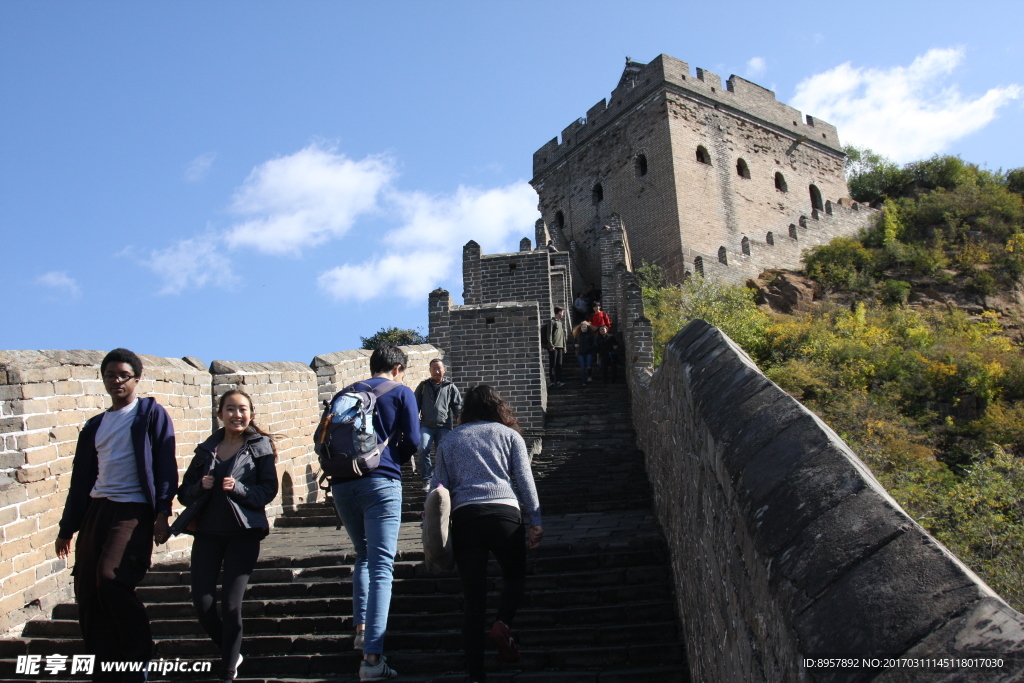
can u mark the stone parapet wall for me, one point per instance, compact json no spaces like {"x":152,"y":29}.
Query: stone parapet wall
{"x":783,"y":544}
{"x":496,"y":344}
{"x":45,"y":399}
{"x":335,"y":371}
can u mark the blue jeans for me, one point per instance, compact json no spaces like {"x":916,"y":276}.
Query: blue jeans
{"x":429,"y":436}
{"x":371,"y":510}
{"x":586,"y":360}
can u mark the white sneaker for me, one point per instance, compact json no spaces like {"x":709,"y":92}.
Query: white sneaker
{"x":380,"y":672}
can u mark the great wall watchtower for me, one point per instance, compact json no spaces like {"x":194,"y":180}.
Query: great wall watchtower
{"x":722,"y":181}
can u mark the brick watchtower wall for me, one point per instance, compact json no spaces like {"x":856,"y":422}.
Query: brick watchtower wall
{"x":471,"y":293}
{"x":691,"y":168}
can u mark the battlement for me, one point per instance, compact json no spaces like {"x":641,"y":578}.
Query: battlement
{"x":740,"y":97}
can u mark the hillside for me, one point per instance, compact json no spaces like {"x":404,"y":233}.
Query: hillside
{"x":907,"y":341}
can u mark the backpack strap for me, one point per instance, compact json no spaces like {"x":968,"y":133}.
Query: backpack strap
{"x":379,"y":391}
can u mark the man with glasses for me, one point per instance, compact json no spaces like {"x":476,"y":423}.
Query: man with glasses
{"x":123,"y":479}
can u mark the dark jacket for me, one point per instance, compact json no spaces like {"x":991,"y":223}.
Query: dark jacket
{"x":255,"y":475}
{"x":439,"y":405}
{"x":586,"y":343}
{"x":607,"y":344}
{"x":153,"y":439}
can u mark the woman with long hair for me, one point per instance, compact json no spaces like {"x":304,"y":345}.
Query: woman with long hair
{"x":485,"y":467}
{"x":227,"y":486}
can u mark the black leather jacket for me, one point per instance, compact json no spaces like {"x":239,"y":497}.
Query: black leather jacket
{"x":255,"y":475}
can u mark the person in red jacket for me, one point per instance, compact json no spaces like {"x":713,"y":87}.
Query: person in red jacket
{"x":599,"y":317}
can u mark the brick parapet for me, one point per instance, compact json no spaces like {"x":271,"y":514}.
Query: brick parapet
{"x":471,"y":292}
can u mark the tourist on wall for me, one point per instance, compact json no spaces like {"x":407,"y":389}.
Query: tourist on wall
{"x":484,"y":465}
{"x":554,"y":342}
{"x":607,"y":353}
{"x":226,"y":488}
{"x":123,"y":480}
{"x":586,"y":351}
{"x":370,"y":507}
{"x":440,"y":403}
{"x":581,"y":307}
{"x":599,"y":317}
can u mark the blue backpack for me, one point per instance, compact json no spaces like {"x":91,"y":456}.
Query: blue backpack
{"x":345,"y":441}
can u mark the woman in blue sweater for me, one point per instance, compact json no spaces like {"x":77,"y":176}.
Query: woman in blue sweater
{"x":484,"y":464}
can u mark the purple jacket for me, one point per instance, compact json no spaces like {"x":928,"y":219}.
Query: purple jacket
{"x":153,"y":438}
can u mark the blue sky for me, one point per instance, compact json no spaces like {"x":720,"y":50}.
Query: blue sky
{"x":269,"y":181}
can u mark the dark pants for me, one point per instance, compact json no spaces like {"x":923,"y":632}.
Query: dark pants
{"x":237,"y":553}
{"x":608,"y":362}
{"x":555,"y":358}
{"x":476,"y":531}
{"x":112,"y":555}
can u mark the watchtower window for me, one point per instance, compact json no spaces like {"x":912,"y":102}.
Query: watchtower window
{"x":559,"y":220}
{"x":640,"y":166}
{"x":770,"y":238}
{"x":745,"y":246}
{"x":598,"y":194}
{"x":816,"y":198}
{"x":828,"y":208}
{"x":490,"y":321}
{"x":792,"y":231}
{"x":512,"y":267}
{"x":722,"y":257}
{"x":698,"y":266}
{"x":741,"y":169}
{"x":703,"y":156}
{"x":780,"y":183}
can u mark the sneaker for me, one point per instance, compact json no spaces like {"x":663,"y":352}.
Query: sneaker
{"x":508,"y":648}
{"x":357,"y":644}
{"x":381,"y":672}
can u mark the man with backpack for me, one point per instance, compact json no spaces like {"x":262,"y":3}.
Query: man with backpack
{"x":368,"y":496}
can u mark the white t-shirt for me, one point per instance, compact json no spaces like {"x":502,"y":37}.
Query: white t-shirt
{"x":118,"y":478}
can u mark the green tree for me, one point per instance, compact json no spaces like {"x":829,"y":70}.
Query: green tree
{"x":873,"y":177}
{"x":393,"y":335}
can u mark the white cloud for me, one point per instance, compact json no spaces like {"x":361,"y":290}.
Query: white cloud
{"x":426,"y":247}
{"x":191,"y":264}
{"x":903,"y":112}
{"x":756,"y":67}
{"x":305,"y":199}
{"x":60,"y":281}
{"x":197,"y":169}
{"x":409,"y":275}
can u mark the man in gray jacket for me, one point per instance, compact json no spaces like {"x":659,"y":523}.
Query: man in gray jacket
{"x":440,"y":404}
{"x":554,"y":342}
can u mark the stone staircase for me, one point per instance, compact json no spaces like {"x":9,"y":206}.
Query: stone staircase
{"x":599,"y":604}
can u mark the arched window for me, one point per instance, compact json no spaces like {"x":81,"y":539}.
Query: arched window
{"x":640,"y":165}
{"x":703,"y":156}
{"x":792,"y":231}
{"x":722,"y":257}
{"x":698,"y":266}
{"x":780,"y":183}
{"x":816,"y":198}
{"x":770,"y":238}
{"x":598,"y":193}
{"x":745,"y":246}
{"x":828,"y":208}
{"x":742,"y":170}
